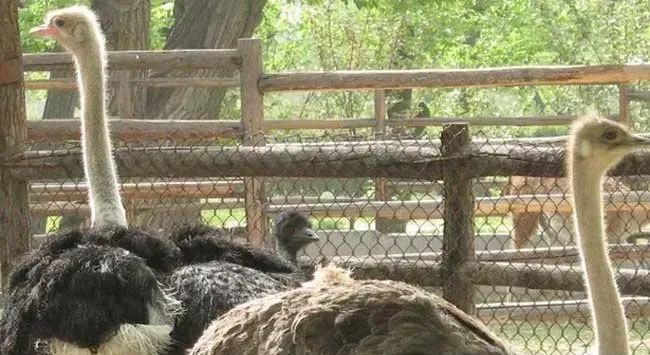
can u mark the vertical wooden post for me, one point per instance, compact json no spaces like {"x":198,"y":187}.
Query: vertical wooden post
{"x":252,"y":113}
{"x":124,"y":103}
{"x":380,"y":113}
{"x":624,"y":104}
{"x":15,"y":238}
{"x":381,"y":185}
{"x":458,"y":231}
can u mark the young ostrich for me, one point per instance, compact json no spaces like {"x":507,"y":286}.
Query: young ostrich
{"x":207,"y":288}
{"x":335,"y":315}
{"x":94,"y":291}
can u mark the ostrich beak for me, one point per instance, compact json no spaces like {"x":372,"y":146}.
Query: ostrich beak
{"x":43,"y":31}
{"x":310,"y":235}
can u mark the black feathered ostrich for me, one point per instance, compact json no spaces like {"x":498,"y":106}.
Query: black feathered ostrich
{"x":99,"y":291}
{"x":91,"y":291}
{"x":208,"y":288}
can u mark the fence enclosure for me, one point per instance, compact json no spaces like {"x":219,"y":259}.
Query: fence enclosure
{"x":454,"y":165}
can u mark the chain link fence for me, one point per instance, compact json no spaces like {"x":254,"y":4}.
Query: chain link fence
{"x":388,"y":222}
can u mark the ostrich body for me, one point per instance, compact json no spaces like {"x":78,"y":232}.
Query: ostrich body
{"x":595,"y":145}
{"x":337,"y":316}
{"x":77,"y":29}
{"x":219,"y":274}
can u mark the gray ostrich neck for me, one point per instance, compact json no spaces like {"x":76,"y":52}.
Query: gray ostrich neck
{"x":106,"y":205}
{"x":286,"y":253}
{"x":607,"y":313}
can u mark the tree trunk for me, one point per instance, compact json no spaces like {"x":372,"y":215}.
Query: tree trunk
{"x":61,"y":103}
{"x":14,"y":207}
{"x":203,"y":24}
{"x":126,"y":26}
{"x":198,"y":24}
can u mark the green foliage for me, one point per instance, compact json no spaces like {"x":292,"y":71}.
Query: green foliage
{"x":381,"y":34}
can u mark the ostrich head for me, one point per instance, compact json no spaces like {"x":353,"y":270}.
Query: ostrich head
{"x":601,"y":142}
{"x":293,"y":231}
{"x":74,"y":27}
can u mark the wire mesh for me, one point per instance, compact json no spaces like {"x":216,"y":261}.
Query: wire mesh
{"x":386,"y":224}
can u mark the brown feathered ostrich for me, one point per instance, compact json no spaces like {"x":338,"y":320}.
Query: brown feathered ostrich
{"x":336,"y":315}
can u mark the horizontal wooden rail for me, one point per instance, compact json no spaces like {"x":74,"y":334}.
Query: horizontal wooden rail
{"x":187,"y":59}
{"x":554,"y":311}
{"x":548,"y":255}
{"x":129,"y":130}
{"x":141,"y":190}
{"x":139,"y":130}
{"x":343,"y":160}
{"x":485,"y":206}
{"x":528,"y":275}
{"x":449,"y":78}
{"x":71,"y":83}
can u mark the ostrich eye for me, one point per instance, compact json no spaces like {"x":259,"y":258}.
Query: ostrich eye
{"x":59,"y":22}
{"x":609,"y":135}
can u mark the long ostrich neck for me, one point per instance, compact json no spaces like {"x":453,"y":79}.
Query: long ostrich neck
{"x":103,"y":193}
{"x":606,"y":308}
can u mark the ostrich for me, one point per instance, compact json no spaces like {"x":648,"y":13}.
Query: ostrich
{"x":595,"y":145}
{"x":94,"y":291}
{"x":336,"y":315}
{"x":220,"y":275}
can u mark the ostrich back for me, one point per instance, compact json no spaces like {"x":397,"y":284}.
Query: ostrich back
{"x":208,"y":290}
{"x":362,"y":317}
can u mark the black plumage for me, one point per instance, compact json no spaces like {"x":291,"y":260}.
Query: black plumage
{"x":220,"y":274}
{"x":81,"y":287}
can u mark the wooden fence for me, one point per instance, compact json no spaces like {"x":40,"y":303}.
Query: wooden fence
{"x":456,"y":160}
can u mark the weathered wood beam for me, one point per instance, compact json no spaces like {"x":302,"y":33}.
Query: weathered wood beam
{"x":71,"y":83}
{"x":128,"y":130}
{"x":448,"y":78}
{"x":343,"y":160}
{"x":548,"y":256}
{"x":187,"y":59}
{"x":529,"y":275}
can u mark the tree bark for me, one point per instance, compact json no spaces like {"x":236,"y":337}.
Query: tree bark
{"x":126,"y":26}
{"x":198,"y":24}
{"x":203,"y":24}
{"x":61,"y":104}
{"x":14,"y":208}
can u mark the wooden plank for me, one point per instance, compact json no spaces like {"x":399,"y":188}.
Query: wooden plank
{"x":132,"y":130}
{"x":554,"y":311}
{"x":528,"y":275}
{"x":252,"y":111}
{"x":45,"y":192}
{"x":546,"y":255}
{"x":458,"y":230}
{"x":14,"y":204}
{"x":484,"y":206}
{"x":341,"y":160}
{"x":186,"y":59}
{"x":450,"y":78}
{"x":71,"y":83}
